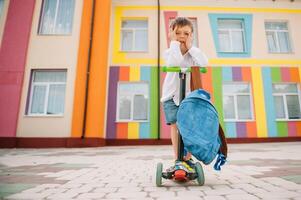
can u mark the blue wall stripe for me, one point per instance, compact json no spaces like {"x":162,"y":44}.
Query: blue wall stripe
{"x":227,"y":74}
{"x":144,"y":128}
{"x":269,"y":102}
{"x":230,"y":129}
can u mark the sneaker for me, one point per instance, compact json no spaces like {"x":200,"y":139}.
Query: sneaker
{"x":173,"y":167}
{"x":191,"y":163}
{"x":188,"y":168}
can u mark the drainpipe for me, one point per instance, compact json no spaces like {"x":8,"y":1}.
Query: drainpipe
{"x":158,"y":72}
{"x":88,"y":69}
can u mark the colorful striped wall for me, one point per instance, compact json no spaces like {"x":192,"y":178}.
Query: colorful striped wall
{"x":132,"y":130}
{"x":259,"y":78}
{"x":277,"y":75}
{"x":233,"y":74}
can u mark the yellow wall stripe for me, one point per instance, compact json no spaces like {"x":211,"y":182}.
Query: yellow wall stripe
{"x":208,"y":8}
{"x":134,"y":73}
{"x":133,"y":130}
{"x":259,"y":102}
{"x":270,"y":62}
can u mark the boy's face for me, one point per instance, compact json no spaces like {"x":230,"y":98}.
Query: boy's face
{"x":182,"y":33}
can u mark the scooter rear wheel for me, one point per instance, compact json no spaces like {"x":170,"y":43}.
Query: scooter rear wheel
{"x":159,"y":174}
{"x":200,"y":173}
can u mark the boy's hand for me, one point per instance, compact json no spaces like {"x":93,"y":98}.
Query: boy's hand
{"x":172,"y":34}
{"x":189,"y":41}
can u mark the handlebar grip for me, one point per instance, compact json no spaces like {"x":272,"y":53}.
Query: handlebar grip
{"x":178,"y":69}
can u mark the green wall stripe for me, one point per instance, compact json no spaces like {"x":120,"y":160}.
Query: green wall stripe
{"x":282,"y":129}
{"x":276,"y":74}
{"x":217,"y":79}
{"x":154,"y":115}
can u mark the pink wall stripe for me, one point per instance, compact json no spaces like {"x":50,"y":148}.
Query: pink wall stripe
{"x":292,"y":129}
{"x":168,"y":15}
{"x":285,"y":74}
{"x":165,"y":129}
{"x":12,"y":62}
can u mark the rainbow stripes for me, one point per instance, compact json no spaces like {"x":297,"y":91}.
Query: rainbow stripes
{"x":276,"y":75}
{"x":259,"y":78}
{"x":132,"y":130}
{"x":233,"y":74}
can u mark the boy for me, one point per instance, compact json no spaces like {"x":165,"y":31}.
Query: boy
{"x":180,"y":53}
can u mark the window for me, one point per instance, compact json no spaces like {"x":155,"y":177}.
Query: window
{"x":277,"y":37}
{"x":1,"y":7}
{"x":132,"y":101}
{"x":231,"y":35}
{"x":237,"y":102}
{"x":134,"y":35}
{"x":47,"y":96}
{"x":57,"y":17}
{"x":286,"y":101}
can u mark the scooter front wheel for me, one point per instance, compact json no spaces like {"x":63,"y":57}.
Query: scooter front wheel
{"x":159,"y":174}
{"x":200,"y":173}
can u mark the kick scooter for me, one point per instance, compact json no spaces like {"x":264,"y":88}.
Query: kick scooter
{"x":180,"y":172}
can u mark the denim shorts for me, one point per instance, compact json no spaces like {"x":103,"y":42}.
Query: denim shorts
{"x":170,"y":111}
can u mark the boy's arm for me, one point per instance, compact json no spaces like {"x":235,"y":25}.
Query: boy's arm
{"x":199,"y":58}
{"x":173,"y":56}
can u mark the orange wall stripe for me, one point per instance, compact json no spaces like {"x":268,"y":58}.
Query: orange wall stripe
{"x":80,"y":81}
{"x":246,"y":74}
{"x":124,"y":73}
{"x":122,"y":130}
{"x":251,"y":129}
{"x":294,"y":72}
{"x":207,"y":82}
{"x":298,"y":125}
{"x":99,"y":69}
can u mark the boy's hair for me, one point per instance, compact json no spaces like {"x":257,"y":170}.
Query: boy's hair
{"x":180,"y":22}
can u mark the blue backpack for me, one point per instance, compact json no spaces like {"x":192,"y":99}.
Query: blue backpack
{"x":198,"y":123}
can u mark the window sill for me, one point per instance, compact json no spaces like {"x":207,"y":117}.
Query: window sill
{"x":128,"y":121}
{"x":124,"y":51}
{"x":237,"y":120}
{"x":54,"y":34}
{"x":43,"y":116}
{"x":233,"y":54}
{"x":288,"y":120}
{"x":279,"y":53}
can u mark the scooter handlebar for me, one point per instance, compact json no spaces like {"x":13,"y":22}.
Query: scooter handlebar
{"x":179,"y":69}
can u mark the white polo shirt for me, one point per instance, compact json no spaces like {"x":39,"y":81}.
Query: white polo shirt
{"x":174,"y":57}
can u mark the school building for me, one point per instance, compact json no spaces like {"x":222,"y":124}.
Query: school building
{"x":76,"y":73}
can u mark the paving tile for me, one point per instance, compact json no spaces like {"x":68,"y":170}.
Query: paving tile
{"x":254,"y":171}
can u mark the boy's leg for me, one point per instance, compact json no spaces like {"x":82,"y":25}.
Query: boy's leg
{"x":174,"y":139}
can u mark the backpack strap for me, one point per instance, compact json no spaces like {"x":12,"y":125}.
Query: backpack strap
{"x":220,"y":161}
{"x":224,"y":147}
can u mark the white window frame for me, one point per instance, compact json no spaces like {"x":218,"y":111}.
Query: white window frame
{"x":53,"y":32}
{"x":47,"y":84}
{"x":230,"y":31}
{"x":236,"y":119}
{"x":132,"y":102}
{"x":283,"y":95}
{"x":1,"y":7}
{"x":133,"y":30}
{"x":275,"y":32}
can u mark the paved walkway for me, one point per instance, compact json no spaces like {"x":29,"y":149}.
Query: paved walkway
{"x":253,"y":171}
